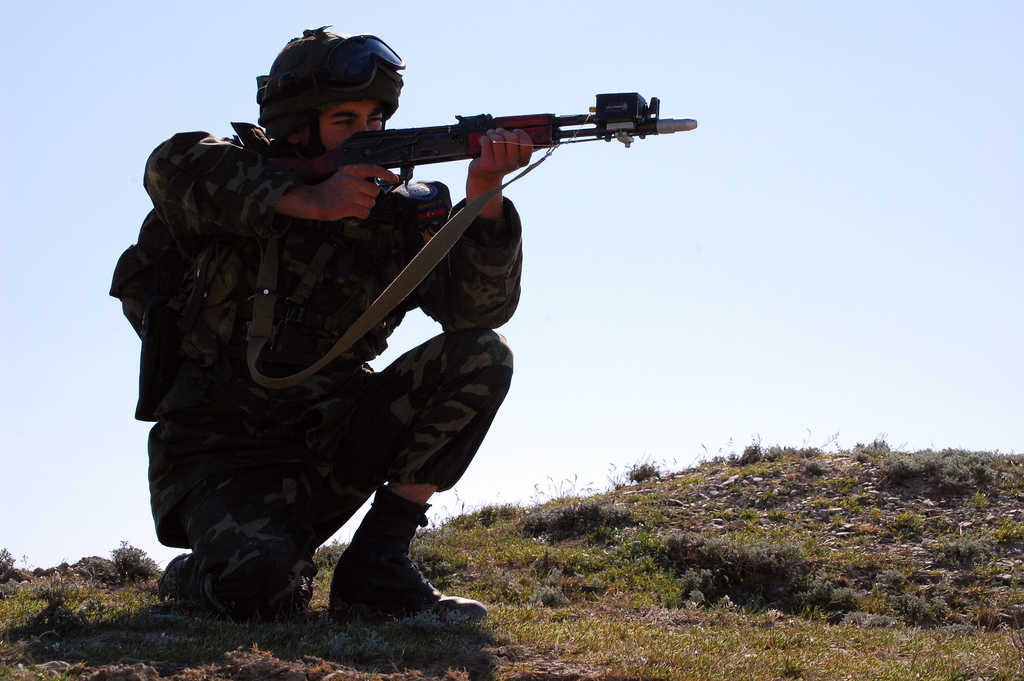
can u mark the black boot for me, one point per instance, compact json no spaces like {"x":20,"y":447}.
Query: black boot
{"x":179,"y":582}
{"x":375,"y":570}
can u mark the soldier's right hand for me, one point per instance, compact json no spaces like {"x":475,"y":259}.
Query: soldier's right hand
{"x":350,"y":192}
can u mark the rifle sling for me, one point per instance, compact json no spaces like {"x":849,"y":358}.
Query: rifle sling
{"x":261,"y":330}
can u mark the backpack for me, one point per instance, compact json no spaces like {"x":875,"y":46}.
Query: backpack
{"x":152,"y":279}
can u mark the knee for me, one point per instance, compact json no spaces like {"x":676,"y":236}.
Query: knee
{"x":500,"y":349}
{"x":486,"y":348}
{"x":485,"y":361}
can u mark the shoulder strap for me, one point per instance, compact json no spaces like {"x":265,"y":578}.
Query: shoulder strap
{"x":313,"y":271}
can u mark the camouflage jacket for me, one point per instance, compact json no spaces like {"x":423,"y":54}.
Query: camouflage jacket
{"x":218,"y":198}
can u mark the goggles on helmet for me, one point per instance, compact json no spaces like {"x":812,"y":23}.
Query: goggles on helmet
{"x":351,"y":64}
{"x":354,"y":61}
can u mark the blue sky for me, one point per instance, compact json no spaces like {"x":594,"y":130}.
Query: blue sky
{"x":837,"y":250}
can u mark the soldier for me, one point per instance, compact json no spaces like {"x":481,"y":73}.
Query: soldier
{"x":252,"y":479}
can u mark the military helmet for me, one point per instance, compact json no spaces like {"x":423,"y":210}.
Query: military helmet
{"x":320,"y":69}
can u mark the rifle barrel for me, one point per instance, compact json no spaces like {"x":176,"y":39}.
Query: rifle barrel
{"x":570,"y":127}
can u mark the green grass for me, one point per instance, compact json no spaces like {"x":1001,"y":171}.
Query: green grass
{"x":865,"y":563}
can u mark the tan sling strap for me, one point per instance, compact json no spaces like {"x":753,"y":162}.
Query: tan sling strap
{"x":261,"y":330}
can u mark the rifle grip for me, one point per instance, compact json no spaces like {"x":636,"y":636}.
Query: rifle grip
{"x":538,"y":126}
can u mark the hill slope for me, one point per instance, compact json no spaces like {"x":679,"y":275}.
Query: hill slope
{"x":774,"y":563}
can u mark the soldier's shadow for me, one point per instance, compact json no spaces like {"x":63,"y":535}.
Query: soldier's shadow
{"x":424,"y":646}
{"x":169,"y":638}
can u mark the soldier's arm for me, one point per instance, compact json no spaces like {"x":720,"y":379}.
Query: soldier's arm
{"x":201,"y":184}
{"x":478,"y":286}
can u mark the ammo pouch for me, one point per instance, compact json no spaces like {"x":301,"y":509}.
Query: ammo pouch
{"x":160,"y":359}
{"x":147,"y":280}
{"x":175,"y":327}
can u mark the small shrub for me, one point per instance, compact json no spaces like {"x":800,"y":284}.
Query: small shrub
{"x":812,"y":467}
{"x":844,"y":485}
{"x":754,"y":453}
{"x":1009,"y":532}
{"x":978,"y":500}
{"x":718,"y":566}
{"x":435,"y":568}
{"x":906,"y":525}
{"x":326,"y":557}
{"x":642,"y":472}
{"x":893,"y":579}
{"x":957,"y":469}
{"x":866,"y":619}
{"x":57,"y":615}
{"x":6,"y":562}
{"x":426,"y":621}
{"x":693,"y":585}
{"x":575,"y":520}
{"x":898,"y":468}
{"x":602,"y":534}
{"x":953,"y":470}
{"x":794,"y":453}
{"x":488,"y":515}
{"x":962,"y":630}
{"x":132,"y":564}
{"x":361,"y":645}
{"x":97,"y":569}
{"x":550,"y":597}
{"x":748,"y":514}
{"x":919,"y":610}
{"x":823,"y":594}
{"x":877,"y":449}
{"x":851,"y":504}
{"x":792,"y":669}
{"x":965,"y":552}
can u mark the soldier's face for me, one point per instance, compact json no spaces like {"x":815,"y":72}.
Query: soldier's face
{"x":341,"y":121}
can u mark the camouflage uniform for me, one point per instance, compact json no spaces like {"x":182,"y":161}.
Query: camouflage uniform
{"x":253,"y":480}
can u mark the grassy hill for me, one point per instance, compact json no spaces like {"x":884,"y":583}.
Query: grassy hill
{"x":773,"y":563}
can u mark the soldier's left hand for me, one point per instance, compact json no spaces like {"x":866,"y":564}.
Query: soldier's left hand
{"x":501,"y":152}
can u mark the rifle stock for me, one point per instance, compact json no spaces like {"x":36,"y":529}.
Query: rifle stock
{"x":621,"y":116}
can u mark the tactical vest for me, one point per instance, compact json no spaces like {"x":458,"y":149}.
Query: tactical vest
{"x":178,"y":307}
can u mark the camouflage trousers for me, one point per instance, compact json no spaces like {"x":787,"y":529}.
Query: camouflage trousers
{"x":253,"y":522}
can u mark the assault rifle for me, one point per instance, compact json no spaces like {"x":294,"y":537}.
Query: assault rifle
{"x":621,"y":116}
{"x":616,"y":116}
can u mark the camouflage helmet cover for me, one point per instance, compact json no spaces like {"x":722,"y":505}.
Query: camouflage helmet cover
{"x":299,"y":85}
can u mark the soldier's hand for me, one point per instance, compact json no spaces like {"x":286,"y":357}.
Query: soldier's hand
{"x":350,"y":192}
{"x":501,"y":152}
